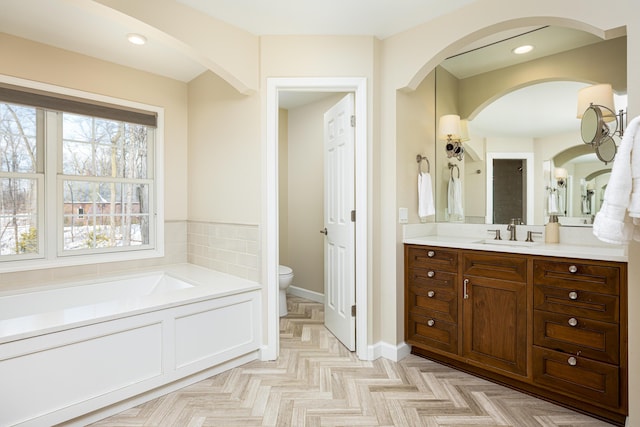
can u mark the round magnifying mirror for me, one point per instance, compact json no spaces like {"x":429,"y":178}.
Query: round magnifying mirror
{"x":591,"y":125}
{"x":606,"y":150}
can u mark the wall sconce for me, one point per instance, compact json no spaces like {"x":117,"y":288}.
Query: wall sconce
{"x":561,"y":177}
{"x":454,"y":131}
{"x":596,"y":108}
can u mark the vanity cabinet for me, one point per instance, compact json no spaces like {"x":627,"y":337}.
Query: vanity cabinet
{"x":432,"y":298}
{"x":553,"y":327}
{"x":576,"y":328}
{"x":494,"y":321}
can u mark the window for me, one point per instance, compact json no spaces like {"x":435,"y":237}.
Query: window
{"x":21,"y":181}
{"x":76,"y":185}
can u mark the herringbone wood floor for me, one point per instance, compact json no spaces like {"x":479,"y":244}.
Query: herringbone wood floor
{"x":317,"y":382}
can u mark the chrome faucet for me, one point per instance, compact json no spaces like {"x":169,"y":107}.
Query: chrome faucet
{"x":512,"y":227}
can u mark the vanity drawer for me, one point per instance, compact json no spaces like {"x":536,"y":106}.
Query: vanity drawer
{"x":495,"y":266}
{"x":432,"y":278}
{"x":576,"y":376}
{"x":432,"y":258}
{"x":604,"y":279}
{"x":577,"y":302}
{"x":577,"y":335}
{"x":438,"y":303}
{"x":428,"y":331}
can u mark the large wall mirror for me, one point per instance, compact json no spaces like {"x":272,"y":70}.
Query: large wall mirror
{"x":523,"y":152}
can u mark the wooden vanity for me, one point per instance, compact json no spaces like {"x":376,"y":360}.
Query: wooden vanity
{"x":549,"y":326}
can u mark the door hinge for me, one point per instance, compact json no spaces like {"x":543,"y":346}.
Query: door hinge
{"x":353,"y":311}
{"x":353,"y":121}
{"x":353,"y":216}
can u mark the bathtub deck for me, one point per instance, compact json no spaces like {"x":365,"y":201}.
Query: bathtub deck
{"x":208,"y":284}
{"x":109,"y":356}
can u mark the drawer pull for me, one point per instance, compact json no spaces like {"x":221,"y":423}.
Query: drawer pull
{"x":431,"y":273}
{"x":573,"y":295}
{"x":431,"y":322}
{"x":573,"y":322}
{"x":431,"y":254}
{"x":573,"y":269}
{"x":431,"y":294}
{"x":572,"y":361}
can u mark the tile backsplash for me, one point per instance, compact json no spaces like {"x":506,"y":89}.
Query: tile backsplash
{"x":230,"y":248}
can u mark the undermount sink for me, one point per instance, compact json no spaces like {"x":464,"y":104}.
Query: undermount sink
{"x":509,"y":242}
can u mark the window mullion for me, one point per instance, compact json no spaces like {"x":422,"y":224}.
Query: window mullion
{"x":52,"y":198}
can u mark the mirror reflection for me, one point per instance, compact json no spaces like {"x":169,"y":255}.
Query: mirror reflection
{"x":523,"y":127}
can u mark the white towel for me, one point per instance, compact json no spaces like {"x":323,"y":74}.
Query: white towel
{"x":553,"y":204}
{"x":454,"y":205}
{"x":612,"y":224}
{"x":426,"y":206}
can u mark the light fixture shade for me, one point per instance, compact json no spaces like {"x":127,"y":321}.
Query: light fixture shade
{"x":449,"y":126}
{"x":561,"y":173}
{"x":601,"y":94}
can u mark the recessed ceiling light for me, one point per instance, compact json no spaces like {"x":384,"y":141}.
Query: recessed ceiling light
{"x":523,"y":49}
{"x":138,"y":39}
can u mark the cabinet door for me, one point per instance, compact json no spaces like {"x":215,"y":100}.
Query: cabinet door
{"x":495,"y":323}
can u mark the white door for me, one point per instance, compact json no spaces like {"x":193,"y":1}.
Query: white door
{"x":339,"y":203}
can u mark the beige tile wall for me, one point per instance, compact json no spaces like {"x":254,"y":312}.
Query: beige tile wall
{"x":230,"y":248}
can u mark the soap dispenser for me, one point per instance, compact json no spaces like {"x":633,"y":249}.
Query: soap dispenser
{"x":552,"y":230}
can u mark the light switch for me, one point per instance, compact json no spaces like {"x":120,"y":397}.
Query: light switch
{"x":403,"y":215}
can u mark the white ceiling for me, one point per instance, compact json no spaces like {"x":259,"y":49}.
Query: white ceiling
{"x":380,"y":18}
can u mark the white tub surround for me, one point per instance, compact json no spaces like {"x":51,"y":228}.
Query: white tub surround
{"x":575,"y":242}
{"x":83,"y":351}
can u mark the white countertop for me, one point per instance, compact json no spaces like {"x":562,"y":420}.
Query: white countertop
{"x":578,"y":243}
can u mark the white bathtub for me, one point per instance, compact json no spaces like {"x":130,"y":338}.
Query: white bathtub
{"x":79,"y":352}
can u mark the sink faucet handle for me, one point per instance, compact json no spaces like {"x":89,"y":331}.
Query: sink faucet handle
{"x":530,"y":235}
{"x":497,"y":231}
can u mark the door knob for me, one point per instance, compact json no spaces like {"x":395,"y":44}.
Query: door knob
{"x":324,"y":231}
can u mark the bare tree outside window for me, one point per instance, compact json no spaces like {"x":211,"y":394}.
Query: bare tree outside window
{"x":104,"y":163}
{"x":18,"y":180}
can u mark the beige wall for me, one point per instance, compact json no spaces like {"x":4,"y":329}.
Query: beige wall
{"x":224,"y":153}
{"x":283,"y":186}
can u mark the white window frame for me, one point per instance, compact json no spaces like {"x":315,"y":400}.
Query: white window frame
{"x":50,"y":213}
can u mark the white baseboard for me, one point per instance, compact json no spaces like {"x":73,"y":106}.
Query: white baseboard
{"x":389,"y":351}
{"x":306,"y":294}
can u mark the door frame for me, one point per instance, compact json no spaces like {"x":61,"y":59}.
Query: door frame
{"x":270,"y":245}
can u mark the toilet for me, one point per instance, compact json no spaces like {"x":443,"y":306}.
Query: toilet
{"x":285,"y":280}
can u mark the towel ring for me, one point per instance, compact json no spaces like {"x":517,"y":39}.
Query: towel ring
{"x":451,"y":167}
{"x":419,"y":159}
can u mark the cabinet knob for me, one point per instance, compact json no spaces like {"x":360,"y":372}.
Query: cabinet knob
{"x":431,"y":273}
{"x":431,"y":322}
{"x":572,"y":361}
{"x":573,"y":269}
{"x":573,"y":295}
{"x":431,"y":294}
{"x":573,"y":322}
{"x":431,"y":254}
